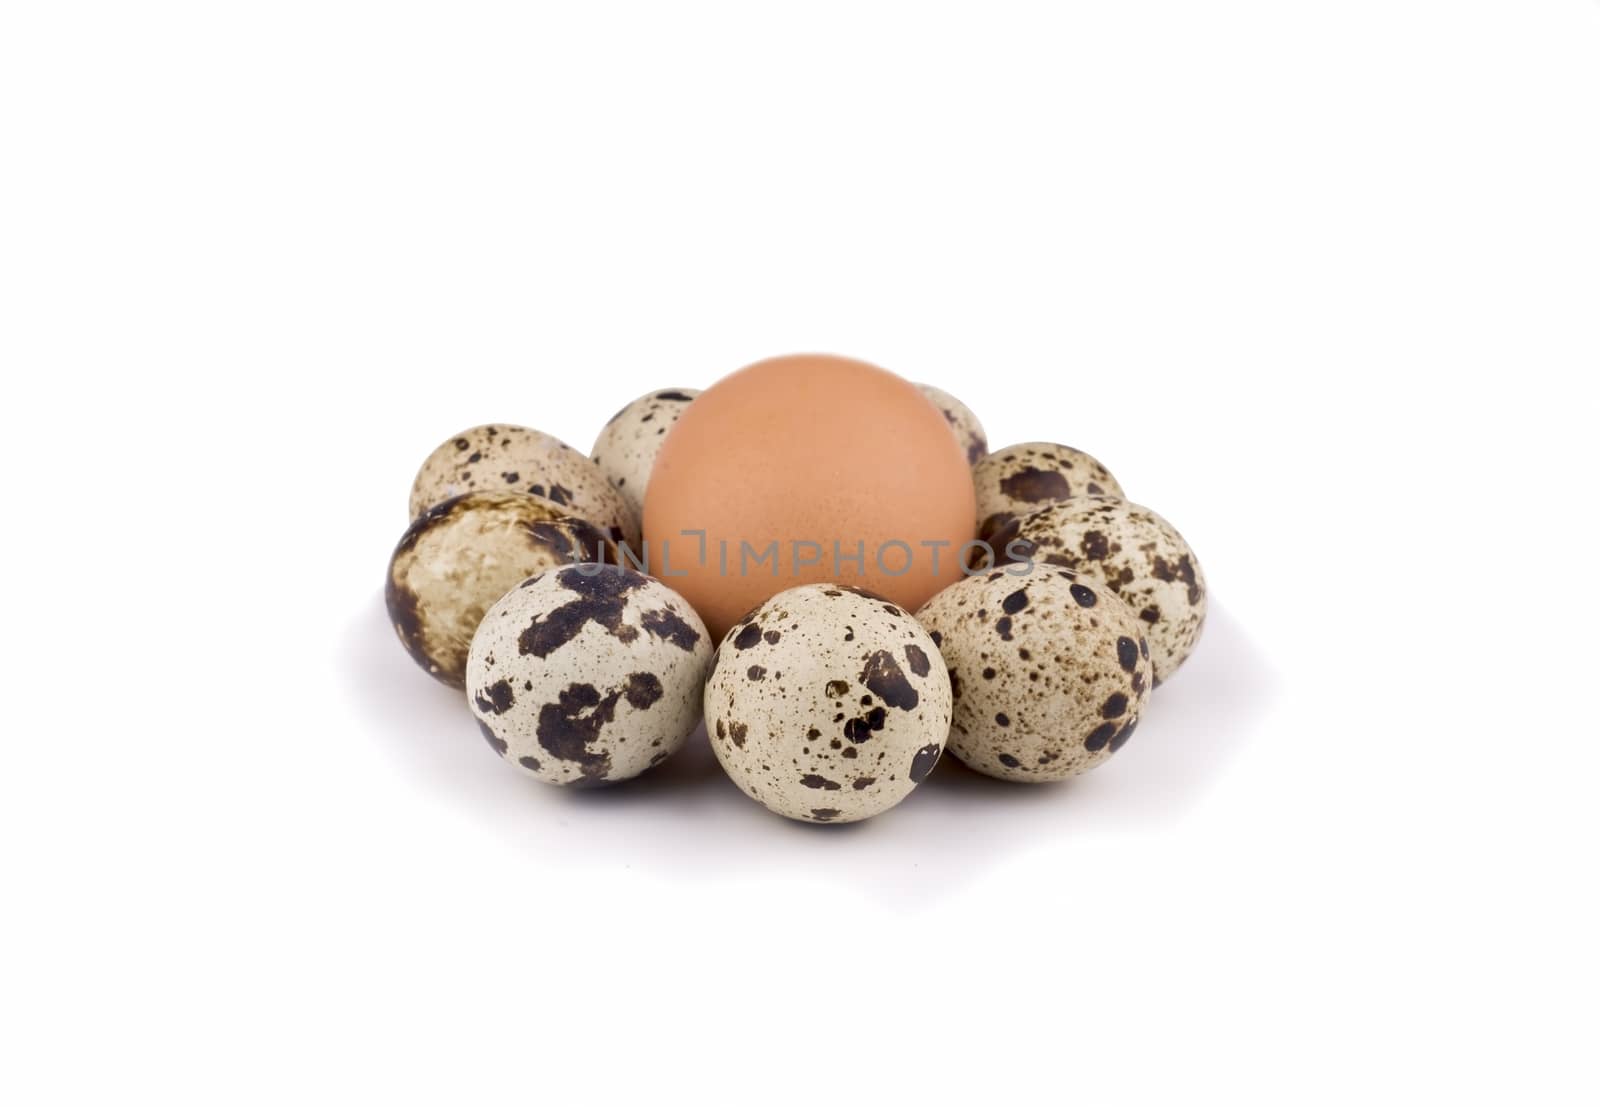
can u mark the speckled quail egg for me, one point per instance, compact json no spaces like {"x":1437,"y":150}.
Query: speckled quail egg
{"x":588,"y":675}
{"x":1049,"y":673}
{"x":1131,"y":551}
{"x":461,"y":555}
{"x":1031,"y":475}
{"x":500,"y":457}
{"x":963,"y":423}
{"x":827,"y":704}
{"x":626,"y":448}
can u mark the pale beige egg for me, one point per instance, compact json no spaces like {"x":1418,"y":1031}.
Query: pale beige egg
{"x":1049,"y":673}
{"x":462,"y":555}
{"x":588,"y":675}
{"x":1130,"y":551}
{"x":827,"y":704}
{"x":627,"y":446}
{"x":1016,"y":480}
{"x":963,"y":422}
{"x":502,"y":457}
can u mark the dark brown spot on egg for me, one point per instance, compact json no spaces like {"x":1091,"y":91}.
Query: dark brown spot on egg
{"x":1099,"y":737}
{"x":883,"y":675}
{"x":999,"y":530}
{"x":1034,"y":486}
{"x":496,"y":699}
{"x":404,"y":613}
{"x":643,"y":690}
{"x":917,"y":660}
{"x":1123,"y":735}
{"x":862,"y":728}
{"x":574,"y":540}
{"x":601,"y":599}
{"x":568,"y":727}
{"x":669,"y":626}
{"x":923,"y":761}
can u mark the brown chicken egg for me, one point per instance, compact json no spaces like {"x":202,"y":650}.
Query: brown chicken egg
{"x":807,"y":469}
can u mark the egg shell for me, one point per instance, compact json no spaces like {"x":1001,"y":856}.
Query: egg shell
{"x":1048,"y":674}
{"x":826,"y":468}
{"x":627,"y":446}
{"x":585,"y":677}
{"x":827,"y":704}
{"x":963,"y":423}
{"x":462,"y":555}
{"x":502,"y":457}
{"x":1023,"y":478}
{"x":1133,"y":552}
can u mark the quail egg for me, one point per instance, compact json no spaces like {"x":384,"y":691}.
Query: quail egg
{"x":1130,"y":551}
{"x":963,"y":423}
{"x":626,"y":448}
{"x":1049,"y":673}
{"x":1026,"y":477}
{"x":827,"y":704}
{"x":461,"y":555}
{"x":588,"y":674}
{"x":500,"y":457}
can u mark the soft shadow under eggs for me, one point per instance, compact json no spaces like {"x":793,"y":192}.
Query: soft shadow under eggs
{"x":687,"y":820}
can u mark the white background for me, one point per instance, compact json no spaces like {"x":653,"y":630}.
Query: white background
{"x":1320,"y":282}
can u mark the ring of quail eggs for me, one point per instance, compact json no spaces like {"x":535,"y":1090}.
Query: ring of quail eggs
{"x":826,"y":704}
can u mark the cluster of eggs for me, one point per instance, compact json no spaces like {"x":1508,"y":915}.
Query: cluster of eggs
{"x":518,"y":581}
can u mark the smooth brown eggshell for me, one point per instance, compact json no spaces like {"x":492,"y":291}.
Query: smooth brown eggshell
{"x":807,"y":448}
